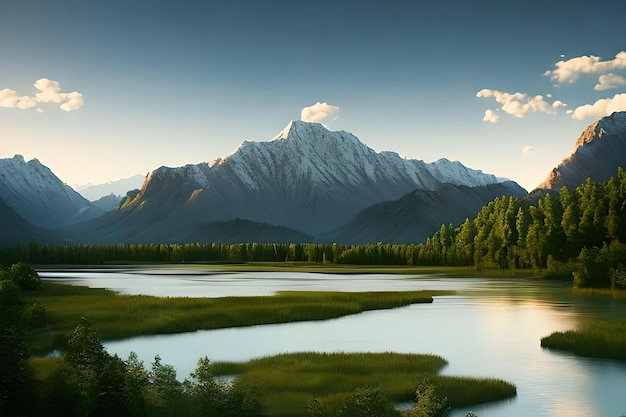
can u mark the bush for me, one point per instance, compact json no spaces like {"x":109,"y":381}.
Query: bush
{"x":594,"y":269}
{"x":368,"y":401}
{"x":23,"y":275}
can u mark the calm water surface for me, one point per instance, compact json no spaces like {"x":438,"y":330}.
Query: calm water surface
{"x":492,"y":328}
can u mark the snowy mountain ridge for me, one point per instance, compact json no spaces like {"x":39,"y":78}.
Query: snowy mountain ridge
{"x":32,"y":190}
{"x":323,"y":157}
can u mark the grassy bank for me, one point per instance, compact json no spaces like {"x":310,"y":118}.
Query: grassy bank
{"x":604,"y":339}
{"x":117,"y":316}
{"x":291,"y":381}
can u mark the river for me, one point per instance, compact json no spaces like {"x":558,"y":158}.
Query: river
{"x":491,"y":328}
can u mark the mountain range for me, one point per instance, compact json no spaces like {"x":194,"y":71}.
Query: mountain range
{"x":306,"y":184}
{"x":306,"y":179}
{"x":95,"y":192}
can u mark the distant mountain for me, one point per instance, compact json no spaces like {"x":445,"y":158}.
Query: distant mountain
{"x":118,"y":188}
{"x":420,"y":213}
{"x":307,"y":179}
{"x":39,"y":196}
{"x":599,"y":150}
{"x":108,"y":202}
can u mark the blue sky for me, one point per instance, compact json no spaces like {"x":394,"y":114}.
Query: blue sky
{"x":104,"y":89}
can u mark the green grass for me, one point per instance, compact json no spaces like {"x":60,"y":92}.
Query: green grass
{"x":121,"y":316}
{"x":604,"y":339}
{"x":291,"y":381}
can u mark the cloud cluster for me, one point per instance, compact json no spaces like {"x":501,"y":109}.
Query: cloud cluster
{"x":569,"y":71}
{"x":517,"y":104}
{"x":49,"y":91}
{"x":601,"y":108}
{"x":608,"y":81}
{"x":318,"y":112}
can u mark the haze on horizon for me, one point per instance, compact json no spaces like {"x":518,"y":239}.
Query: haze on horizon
{"x":103,"y":90}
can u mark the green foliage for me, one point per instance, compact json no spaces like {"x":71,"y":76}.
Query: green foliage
{"x":16,"y":374}
{"x":23,"y":275}
{"x":427,"y":403}
{"x":59,"y":395}
{"x":367,"y":401}
{"x":88,"y":382}
{"x":594,"y":269}
{"x":165,"y":392}
{"x":100,"y":378}
{"x":619,"y":277}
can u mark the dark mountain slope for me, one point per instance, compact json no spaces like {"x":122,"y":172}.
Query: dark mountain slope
{"x":418,"y":214}
{"x":15,"y":229}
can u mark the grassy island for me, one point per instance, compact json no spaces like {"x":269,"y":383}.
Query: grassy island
{"x":604,"y":339}
{"x":292,"y":380}
{"x":121,"y":316}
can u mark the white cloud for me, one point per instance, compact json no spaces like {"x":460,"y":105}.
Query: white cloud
{"x":491,"y":116}
{"x":569,"y":71}
{"x":528,"y":149}
{"x":49,"y":91}
{"x":608,"y":81}
{"x":518,"y":104}
{"x":318,"y":112}
{"x":9,"y":98}
{"x":73,"y":101}
{"x":601,"y":108}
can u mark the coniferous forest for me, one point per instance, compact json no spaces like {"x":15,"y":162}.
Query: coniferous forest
{"x":576,"y":234}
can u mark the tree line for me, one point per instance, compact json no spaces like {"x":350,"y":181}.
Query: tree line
{"x":578,"y":233}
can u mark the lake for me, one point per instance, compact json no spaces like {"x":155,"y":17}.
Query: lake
{"x":491,"y":328}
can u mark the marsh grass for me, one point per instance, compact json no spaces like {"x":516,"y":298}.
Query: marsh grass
{"x":291,"y":381}
{"x":598,"y":339}
{"x":117,"y":316}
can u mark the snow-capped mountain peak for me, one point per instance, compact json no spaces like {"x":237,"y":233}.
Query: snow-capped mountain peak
{"x":307,"y":177}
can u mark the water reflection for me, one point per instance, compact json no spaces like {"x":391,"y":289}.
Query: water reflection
{"x":490,"y":328}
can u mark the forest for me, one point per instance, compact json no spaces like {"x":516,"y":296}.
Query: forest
{"x":575,"y":234}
